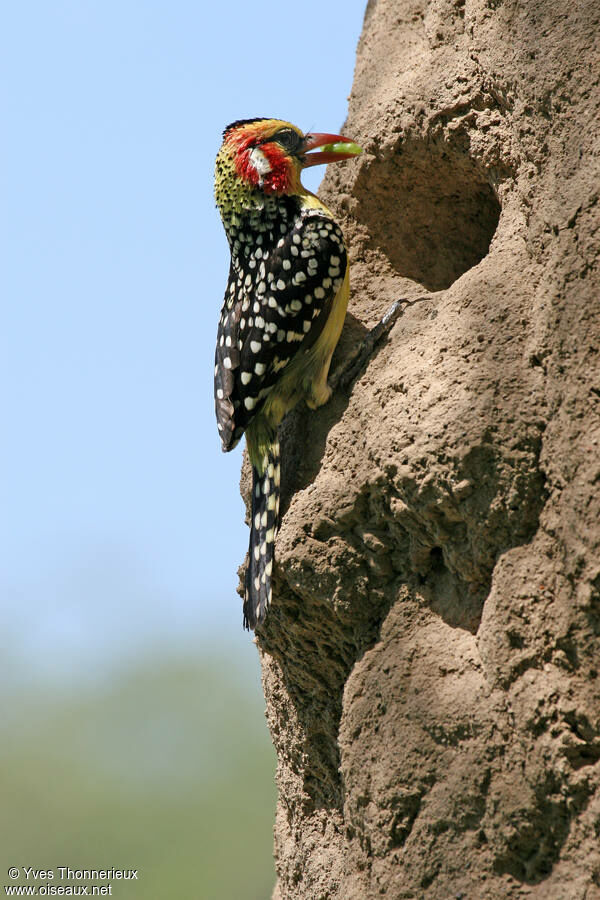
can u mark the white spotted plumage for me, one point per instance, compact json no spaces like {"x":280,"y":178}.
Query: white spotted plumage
{"x":277,"y":330}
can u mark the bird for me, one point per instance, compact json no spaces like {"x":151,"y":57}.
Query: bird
{"x":283,"y":312}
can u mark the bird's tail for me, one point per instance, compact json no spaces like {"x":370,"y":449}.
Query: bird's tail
{"x":263,"y":530}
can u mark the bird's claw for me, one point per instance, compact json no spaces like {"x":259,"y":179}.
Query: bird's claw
{"x":351,"y":369}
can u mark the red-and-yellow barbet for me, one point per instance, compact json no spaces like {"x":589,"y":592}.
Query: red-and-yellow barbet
{"x":284,"y":308}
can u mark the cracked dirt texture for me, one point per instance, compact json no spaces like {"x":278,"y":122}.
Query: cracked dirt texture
{"x":431,"y":658}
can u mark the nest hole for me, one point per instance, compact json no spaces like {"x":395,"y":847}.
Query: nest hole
{"x":430,"y":209}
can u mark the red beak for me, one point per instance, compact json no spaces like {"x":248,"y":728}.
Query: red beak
{"x":313,"y":141}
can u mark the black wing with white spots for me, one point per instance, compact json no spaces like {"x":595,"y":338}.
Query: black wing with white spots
{"x":278,"y":297}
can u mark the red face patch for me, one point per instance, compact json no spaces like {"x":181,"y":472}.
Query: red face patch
{"x":278,"y":180}
{"x":274,"y":173}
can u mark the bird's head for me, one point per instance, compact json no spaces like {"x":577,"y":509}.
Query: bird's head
{"x":269,"y":154}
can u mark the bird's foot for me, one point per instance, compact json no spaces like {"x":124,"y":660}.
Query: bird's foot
{"x":351,"y":369}
{"x":319,"y":395}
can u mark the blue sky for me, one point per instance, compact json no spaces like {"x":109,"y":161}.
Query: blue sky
{"x":121,"y":519}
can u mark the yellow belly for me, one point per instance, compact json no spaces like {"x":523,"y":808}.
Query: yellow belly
{"x":306,"y":376}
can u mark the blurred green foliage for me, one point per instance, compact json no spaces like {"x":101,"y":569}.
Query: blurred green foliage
{"x":166,"y":768}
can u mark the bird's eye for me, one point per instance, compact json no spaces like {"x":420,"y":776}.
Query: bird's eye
{"x":289,"y":139}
